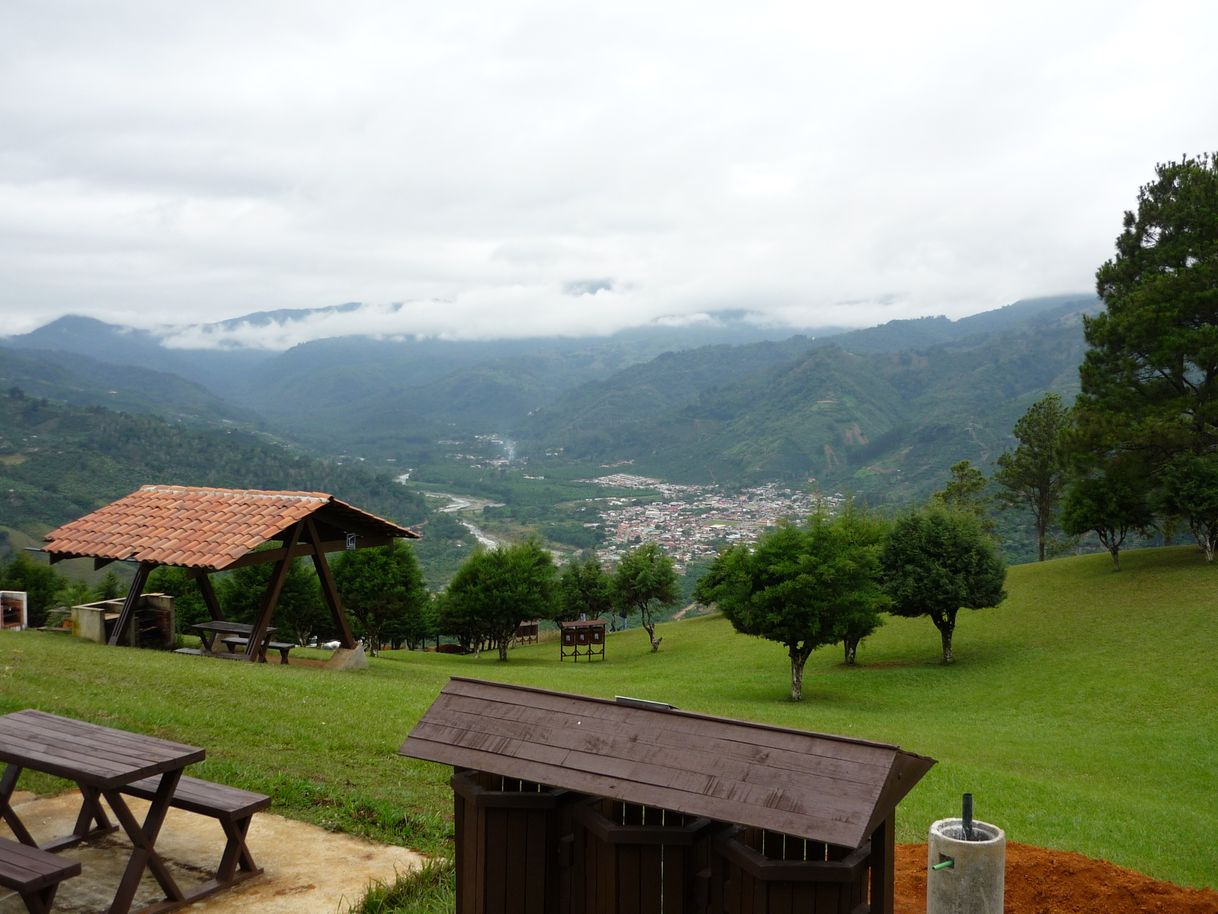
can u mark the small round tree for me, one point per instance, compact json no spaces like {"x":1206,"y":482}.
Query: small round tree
{"x":584,"y":587}
{"x":1189,"y":489}
{"x":645,"y":582}
{"x":495,"y":590}
{"x":381,"y":587}
{"x":1110,"y":504}
{"x":803,"y":587}
{"x":937,"y":561}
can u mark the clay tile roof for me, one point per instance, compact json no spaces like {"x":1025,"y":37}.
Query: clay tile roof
{"x":206,"y":528}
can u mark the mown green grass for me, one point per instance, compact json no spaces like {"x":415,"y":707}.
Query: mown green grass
{"x":1082,"y":713}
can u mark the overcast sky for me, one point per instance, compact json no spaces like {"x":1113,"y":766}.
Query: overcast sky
{"x":515,"y":167}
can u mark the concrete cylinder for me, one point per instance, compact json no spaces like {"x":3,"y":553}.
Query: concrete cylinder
{"x":974,"y":882}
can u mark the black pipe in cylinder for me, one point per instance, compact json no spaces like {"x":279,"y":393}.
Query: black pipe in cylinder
{"x":967,"y":817}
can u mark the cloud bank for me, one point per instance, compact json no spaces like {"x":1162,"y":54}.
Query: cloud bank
{"x":547,"y":167}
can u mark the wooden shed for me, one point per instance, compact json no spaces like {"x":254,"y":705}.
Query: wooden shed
{"x":565,"y":803}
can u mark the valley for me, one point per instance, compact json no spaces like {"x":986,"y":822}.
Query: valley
{"x":693,"y":438}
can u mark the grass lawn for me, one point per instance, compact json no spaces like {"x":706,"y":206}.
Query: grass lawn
{"x":1082,"y":713}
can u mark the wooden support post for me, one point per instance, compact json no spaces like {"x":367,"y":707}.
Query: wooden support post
{"x":133,"y":596}
{"x":328,"y":588}
{"x":209,"y":597}
{"x":270,"y":598}
{"x":883,"y":865}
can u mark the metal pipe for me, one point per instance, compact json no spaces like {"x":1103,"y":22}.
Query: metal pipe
{"x":967,"y":817}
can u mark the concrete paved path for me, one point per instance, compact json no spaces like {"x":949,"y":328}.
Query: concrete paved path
{"x":307,"y":870}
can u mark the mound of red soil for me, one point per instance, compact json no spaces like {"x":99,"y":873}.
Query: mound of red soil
{"x":1040,"y":881}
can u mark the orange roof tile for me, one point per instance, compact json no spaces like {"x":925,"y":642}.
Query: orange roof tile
{"x":204,"y":527}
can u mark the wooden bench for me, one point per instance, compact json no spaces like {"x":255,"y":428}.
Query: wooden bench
{"x":33,"y":874}
{"x":231,"y":806}
{"x":232,"y":642}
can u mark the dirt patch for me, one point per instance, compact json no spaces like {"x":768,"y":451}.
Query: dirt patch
{"x":1040,"y":881}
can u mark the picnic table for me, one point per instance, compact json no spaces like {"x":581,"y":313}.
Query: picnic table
{"x":102,"y":762}
{"x":230,"y":633}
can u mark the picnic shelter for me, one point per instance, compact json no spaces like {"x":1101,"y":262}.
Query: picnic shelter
{"x":206,"y":530}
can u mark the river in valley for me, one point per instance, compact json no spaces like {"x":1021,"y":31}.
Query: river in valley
{"x":464,"y":506}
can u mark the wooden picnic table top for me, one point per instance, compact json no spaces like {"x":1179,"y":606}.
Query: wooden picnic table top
{"x":224,"y":627}
{"x":102,"y":761}
{"x":87,"y":753}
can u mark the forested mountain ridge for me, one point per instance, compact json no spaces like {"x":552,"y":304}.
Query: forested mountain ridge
{"x":863,"y":410}
{"x":588,"y":417}
{"x":926,"y":332}
{"x":384,"y":395}
{"x":58,"y":462}
{"x":866,"y":418}
{"x":222,"y":371}
{"x":71,"y":377}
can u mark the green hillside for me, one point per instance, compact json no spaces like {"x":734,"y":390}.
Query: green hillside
{"x":58,"y":462}
{"x":82,"y":381}
{"x":854,"y":413}
{"x":1081,"y":713}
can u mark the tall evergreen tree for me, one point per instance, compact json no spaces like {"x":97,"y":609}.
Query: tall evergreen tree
{"x":1152,"y":367}
{"x":966,"y":491}
{"x":1034,"y":474}
{"x":1150,"y":377}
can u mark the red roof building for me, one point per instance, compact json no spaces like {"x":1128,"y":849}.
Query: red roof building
{"x":212,"y":529}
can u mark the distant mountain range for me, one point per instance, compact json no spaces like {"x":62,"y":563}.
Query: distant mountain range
{"x":883,"y":410}
{"x":343,"y":394}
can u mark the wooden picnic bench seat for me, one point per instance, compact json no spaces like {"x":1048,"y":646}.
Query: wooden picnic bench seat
{"x":231,"y":806}
{"x":33,"y":874}
{"x":232,"y":642}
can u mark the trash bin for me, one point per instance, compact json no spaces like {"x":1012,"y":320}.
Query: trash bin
{"x":628,"y":858}
{"x":764,"y":872}
{"x":507,"y":833}
{"x":966,"y":874}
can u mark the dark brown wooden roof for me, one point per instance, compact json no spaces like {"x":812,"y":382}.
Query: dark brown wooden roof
{"x":827,"y":788}
{"x":207,"y":528}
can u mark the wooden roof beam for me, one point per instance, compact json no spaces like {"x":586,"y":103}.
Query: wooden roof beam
{"x":300,"y":550}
